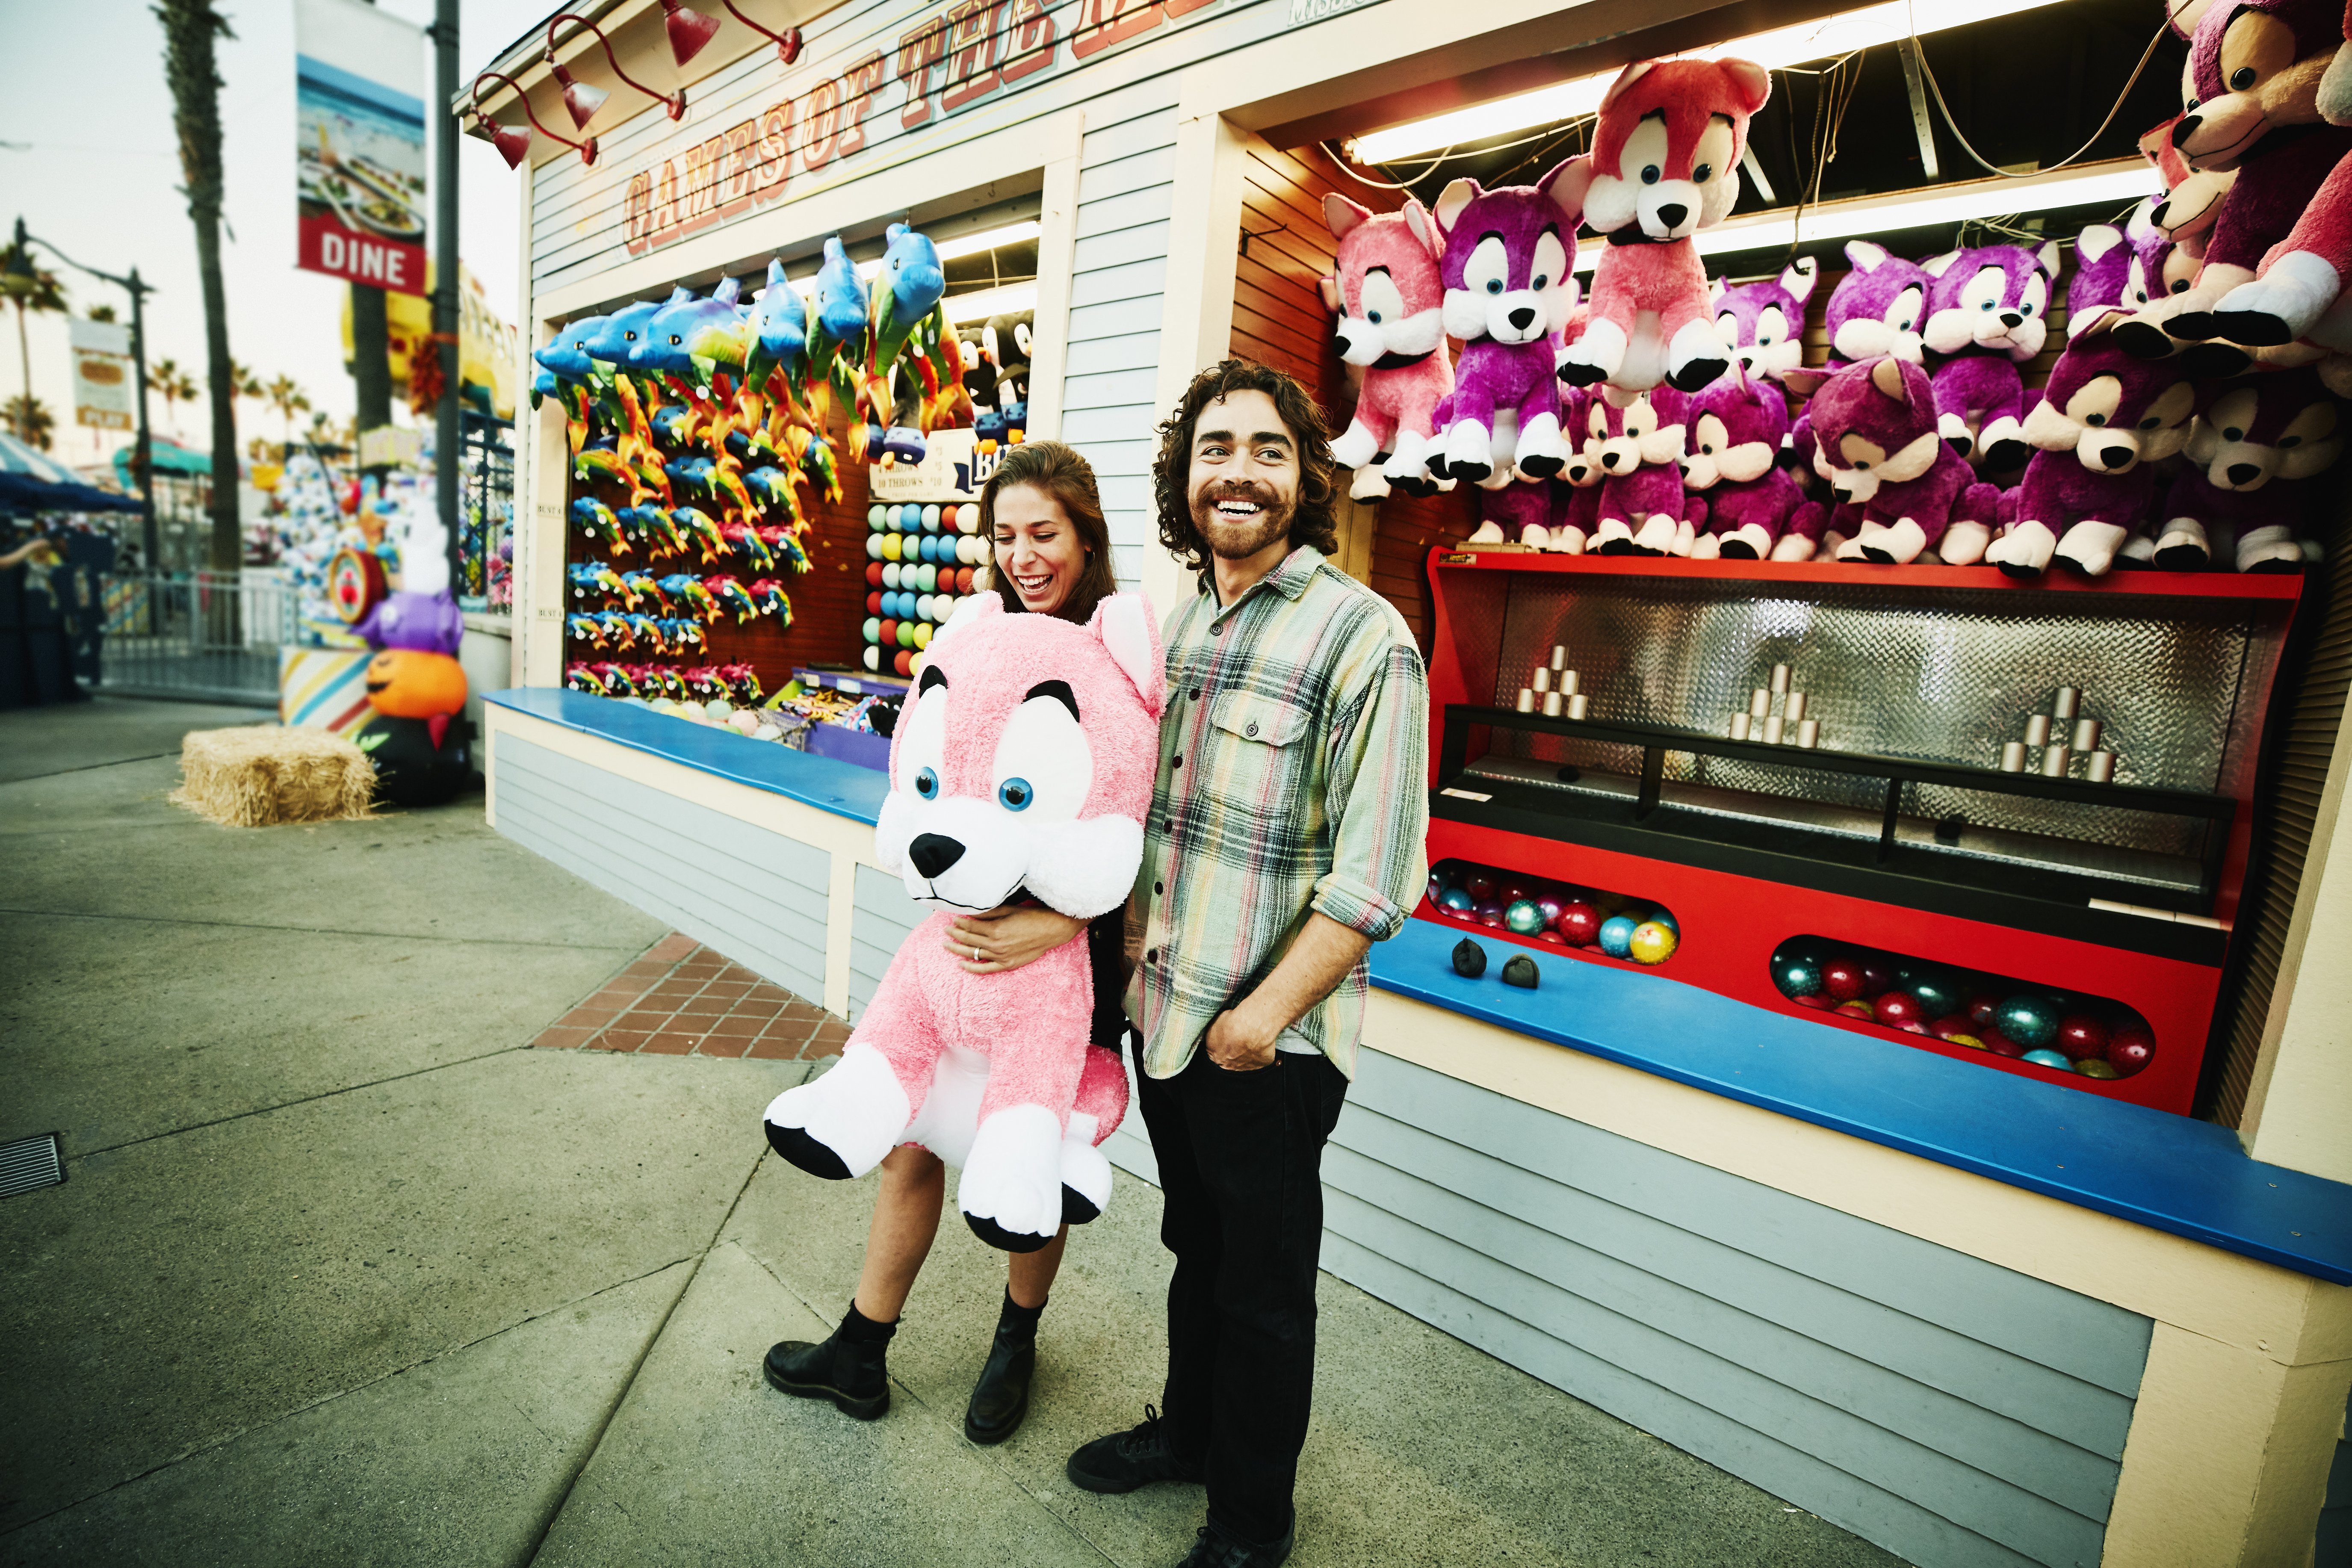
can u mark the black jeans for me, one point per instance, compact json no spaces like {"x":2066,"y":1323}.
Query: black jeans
{"x":1241,"y":1158}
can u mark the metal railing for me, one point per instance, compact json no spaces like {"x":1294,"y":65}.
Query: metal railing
{"x":201,"y":636}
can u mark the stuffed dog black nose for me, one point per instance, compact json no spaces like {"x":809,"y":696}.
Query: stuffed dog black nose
{"x":933,"y":853}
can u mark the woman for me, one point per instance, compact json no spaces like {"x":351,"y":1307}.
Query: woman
{"x":1052,"y":558}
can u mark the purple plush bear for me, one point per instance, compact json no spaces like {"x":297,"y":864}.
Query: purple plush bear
{"x":1508,"y":292}
{"x":1638,"y":441}
{"x":1987,"y":313}
{"x":1878,"y":448}
{"x":1736,"y":434}
{"x":2256,"y":447}
{"x":2104,"y":418}
{"x":1765,"y":322}
{"x":2116,"y":271}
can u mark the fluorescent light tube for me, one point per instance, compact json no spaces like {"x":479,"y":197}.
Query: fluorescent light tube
{"x":1011,"y":299}
{"x":1814,"y":40}
{"x":2121,"y":181}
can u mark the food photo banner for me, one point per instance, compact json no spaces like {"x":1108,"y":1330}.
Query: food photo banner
{"x":101,"y":374}
{"x":359,"y":116}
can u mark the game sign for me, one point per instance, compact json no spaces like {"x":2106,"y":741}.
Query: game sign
{"x":359,"y":144}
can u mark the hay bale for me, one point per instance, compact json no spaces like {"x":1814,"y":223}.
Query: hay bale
{"x":264,"y":775}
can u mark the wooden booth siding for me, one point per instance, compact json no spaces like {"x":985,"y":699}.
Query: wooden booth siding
{"x":1119,"y":277}
{"x":1950,"y":1410}
{"x":758,"y":898}
{"x":881,"y":918}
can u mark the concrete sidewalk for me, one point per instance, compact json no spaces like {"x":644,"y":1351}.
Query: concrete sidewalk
{"x":346,"y":1271}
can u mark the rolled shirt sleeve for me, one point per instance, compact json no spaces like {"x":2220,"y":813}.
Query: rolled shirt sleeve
{"x":1379,"y":795}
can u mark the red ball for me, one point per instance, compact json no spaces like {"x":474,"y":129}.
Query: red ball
{"x":963,"y":579}
{"x":1489,"y":913}
{"x":1579,"y":923}
{"x":874,"y":573}
{"x":1980,"y":1008}
{"x":873,"y":604}
{"x":1842,"y":978}
{"x":1914,"y":1028}
{"x":2081,"y":1037}
{"x":1999,"y":1044}
{"x":1480,"y":886}
{"x":2131,"y":1048}
{"x":888,"y":633}
{"x":905,"y":663}
{"x":1898,"y":1009}
{"x":1510,"y":893}
{"x":1549,"y":935}
{"x":1858,"y":1008}
{"x":1953,"y":1024}
{"x":1877,"y":979}
{"x":1816,"y":1000}
{"x":1596,"y":947}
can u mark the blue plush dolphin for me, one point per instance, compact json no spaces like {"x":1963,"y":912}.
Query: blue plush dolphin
{"x":779,"y":328}
{"x":687,"y":329}
{"x":624,"y":329}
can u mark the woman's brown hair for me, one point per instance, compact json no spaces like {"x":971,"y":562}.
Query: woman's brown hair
{"x":1060,"y":472}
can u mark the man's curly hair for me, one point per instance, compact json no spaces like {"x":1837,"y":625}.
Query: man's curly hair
{"x":1311,"y":523}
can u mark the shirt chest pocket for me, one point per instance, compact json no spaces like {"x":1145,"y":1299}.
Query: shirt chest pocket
{"x":1261,"y":751}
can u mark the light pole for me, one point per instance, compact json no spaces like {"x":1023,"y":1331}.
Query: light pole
{"x":18,"y":279}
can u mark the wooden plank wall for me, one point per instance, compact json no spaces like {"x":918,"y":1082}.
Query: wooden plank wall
{"x":1127,"y":195}
{"x":1948,"y":1409}
{"x":1279,"y":320}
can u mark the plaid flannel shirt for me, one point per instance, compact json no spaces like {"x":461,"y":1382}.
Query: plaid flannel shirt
{"x":1294,"y":769}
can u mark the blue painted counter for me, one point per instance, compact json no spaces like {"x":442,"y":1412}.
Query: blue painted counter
{"x":2171,"y":1174}
{"x":842,"y":788}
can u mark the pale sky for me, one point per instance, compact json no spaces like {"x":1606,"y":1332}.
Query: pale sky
{"x":88,"y":158}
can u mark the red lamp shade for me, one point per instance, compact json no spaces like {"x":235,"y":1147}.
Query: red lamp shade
{"x":689,"y":29}
{"x":581,"y":101}
{"x":513,"y":143}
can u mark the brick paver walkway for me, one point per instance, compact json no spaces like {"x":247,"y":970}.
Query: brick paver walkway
{"x":682,"y":999}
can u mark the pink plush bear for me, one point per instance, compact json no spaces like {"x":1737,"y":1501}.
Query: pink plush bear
{"x":1386,"y":292}
{"x":1877,"y":444}
{"x":1665,"y":164}
{"x":1023,"y":763}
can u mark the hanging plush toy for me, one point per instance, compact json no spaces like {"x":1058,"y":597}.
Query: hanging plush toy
{"x":1022,"y":764}
{"x":2250,"y":94}
{"x":2116,"y":271}
{"x":2105,"y":418}
{"x":1508,"y":294}
{"x":2256,"y":450}
{"x":904,"y":292}
{"x":1640,"y":439}
{"x":1665,"y":164}
{"x":1386,"y":291}
{"x":1875,"y":426}
{"x":1007,"y":340}
{"x":1985,"y":310}
{"x":1738,"y":427}
{"x":1764,"y":324}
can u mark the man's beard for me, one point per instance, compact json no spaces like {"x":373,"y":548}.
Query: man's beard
{"x":1239,"y":537}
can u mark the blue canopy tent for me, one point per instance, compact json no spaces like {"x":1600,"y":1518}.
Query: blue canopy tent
{"x":32,"y":481}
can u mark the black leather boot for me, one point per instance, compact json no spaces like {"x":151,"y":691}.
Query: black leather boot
{"x":1001,"y":1398}
{"x":846,"y":1368}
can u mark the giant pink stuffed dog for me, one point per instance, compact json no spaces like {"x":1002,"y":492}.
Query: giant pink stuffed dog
{"x":1385,"y":291}
{"x":1023,"y":763}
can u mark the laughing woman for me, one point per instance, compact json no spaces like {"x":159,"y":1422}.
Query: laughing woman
{"x":1052,"y":558}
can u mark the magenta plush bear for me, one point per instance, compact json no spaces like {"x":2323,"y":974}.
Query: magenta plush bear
{"x":1737,"y":430}
{"x":2105,"y":418}
{"x":1878,"y":446}
{"x":1508,"y":292}
{"x":2116,"y":271}
{"x":1987,"y":315}
{"x":1665,"y":164}
{"x":1764,"y":324}
{"x":2254,"y":454}
{"x":1576,"y":491}
{"x":1021,"y":766}
{"x":1386,"y":292}
{"x":1639,"y":439}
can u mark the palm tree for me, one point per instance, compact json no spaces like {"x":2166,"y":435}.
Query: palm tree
{"x":287,"y":399}
{"x":31,"y":289}
{"x":190,"y":29}
{"x":31,"y":419}
{"x":174,"y":385}
{"x":101,"y":312}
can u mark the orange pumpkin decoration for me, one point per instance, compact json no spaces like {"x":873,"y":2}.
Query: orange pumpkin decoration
{"x":404,"y":683}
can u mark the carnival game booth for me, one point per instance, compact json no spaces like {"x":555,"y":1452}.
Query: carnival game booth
{"x":1970,"y":1300}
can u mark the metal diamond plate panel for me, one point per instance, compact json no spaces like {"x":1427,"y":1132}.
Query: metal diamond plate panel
{"x":1940,"y":674}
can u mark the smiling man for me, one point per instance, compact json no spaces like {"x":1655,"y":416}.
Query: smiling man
{"x":1286,"y":838}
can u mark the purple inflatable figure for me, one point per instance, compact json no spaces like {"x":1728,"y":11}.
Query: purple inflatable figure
{"x":1737,"y":433}
{"x":1879,"y":449}
{"x":1988,"y":313}
{"x":1507,"y":295}
{"x":2104,"y":418}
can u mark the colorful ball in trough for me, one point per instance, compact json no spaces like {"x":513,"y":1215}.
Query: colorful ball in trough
{"x":1523,"y":917}
{"x":1617,"y":936}
{"x":1653,"y":941}
{"x":2030,"y":1020}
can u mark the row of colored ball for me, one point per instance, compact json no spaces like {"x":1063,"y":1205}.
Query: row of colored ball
{"x":908,"y":517}
{"x":1567,"y":917}
{"x":944,"y":549}
{"x":911,"y":607}
{"x":2049,"y":1029}
{"x":889,"y":631}
{"x":901,"y":662}
{"x":919,"y":579}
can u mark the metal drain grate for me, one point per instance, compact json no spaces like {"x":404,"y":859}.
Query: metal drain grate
{"x":27,"y":1163}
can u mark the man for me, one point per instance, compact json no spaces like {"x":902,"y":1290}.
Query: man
{"x":1286,"y":837}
